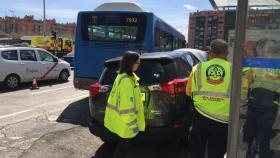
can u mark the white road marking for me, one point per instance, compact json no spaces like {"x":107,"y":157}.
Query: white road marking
{"x":62,"y":101}
{"x":45,"y":104}
{"x":2,"y":148}
{"x":51,"y":90}
{"x":16,"y":113}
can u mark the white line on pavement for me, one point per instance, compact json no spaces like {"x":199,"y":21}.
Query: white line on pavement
{"x":16,"y":113}
{"x":71,"y":98}
{"x":45,"y":104}
{"x":51,"y":90}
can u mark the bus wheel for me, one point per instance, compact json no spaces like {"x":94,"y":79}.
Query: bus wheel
{"x":12,"y":81}
{"x":63,"y":76}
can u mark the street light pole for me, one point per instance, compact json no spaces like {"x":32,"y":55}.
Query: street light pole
{"x":13,"y":25}
{"x":12,"y":12}
{"x":44,"y":18}
{"x":44,"y":22}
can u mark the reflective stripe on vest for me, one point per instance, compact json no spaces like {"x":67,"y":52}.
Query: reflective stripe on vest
{"x":121,"y":112}
{"x":116,"y":108}
{"x":263,"y":83}
{"x":218,"y":117}
{"x":132,"y":123}
{"x":213,"y":94}
{"x":199,"y":82}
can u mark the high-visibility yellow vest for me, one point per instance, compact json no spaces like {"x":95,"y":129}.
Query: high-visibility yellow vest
{"x":245,"y":85}
{"x":266,"y":78}
{"x":124,"y":114}
{"x":211,"y":83}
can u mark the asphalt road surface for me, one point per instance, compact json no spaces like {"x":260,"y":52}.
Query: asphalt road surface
{"x":51,"y":122}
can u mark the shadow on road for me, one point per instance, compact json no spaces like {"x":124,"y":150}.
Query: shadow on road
{"x":156,"y":149}
{"x":27,"y":85}
{"x":76,"y":113}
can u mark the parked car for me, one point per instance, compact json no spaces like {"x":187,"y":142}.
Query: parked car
{"x":163,"y":79}
{"x":21,"y":64}
{"x":70,"y":58}
{"x":199,"y":54}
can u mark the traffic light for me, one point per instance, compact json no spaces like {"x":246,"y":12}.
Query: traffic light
{"x":53,"y":34}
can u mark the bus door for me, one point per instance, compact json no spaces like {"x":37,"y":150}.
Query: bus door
{"x":254,"y":128}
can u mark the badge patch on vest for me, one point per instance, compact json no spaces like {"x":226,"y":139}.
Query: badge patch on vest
{"x":215,"y":74}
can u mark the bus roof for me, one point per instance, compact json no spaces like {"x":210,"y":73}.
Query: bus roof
{"x":120,"y":6}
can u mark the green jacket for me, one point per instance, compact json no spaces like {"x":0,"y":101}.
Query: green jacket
{"x":124,"y":113}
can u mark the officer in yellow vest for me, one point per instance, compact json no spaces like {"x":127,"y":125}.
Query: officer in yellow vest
{"x":209,"y":85}
{"x":264,"y":97}
{"x":124,"y":115}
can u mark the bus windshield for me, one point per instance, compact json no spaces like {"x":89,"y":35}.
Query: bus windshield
{"x":104,"y":27}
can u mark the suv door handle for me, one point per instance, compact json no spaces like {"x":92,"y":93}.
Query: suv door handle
{"x":22,"y":63}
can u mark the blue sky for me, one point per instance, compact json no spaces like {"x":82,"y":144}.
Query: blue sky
{"x":174,"y":12}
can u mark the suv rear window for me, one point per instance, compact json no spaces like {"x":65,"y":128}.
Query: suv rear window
{"x":156,"y":71}
{"x":150,"y":72}
{"x":9,"y":55}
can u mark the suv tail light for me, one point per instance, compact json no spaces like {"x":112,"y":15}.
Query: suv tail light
{"x":94,"y":89}
{"x":175,"y":86}
{"x":177,"y":125}
{"x":97,"y":88}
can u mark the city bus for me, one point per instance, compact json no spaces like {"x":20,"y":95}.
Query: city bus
{"x":113,"y":28}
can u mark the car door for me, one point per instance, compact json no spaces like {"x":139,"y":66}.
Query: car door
{"x":29,"y":65}
{"x":8,"y":63}
{"x":48,"y":65}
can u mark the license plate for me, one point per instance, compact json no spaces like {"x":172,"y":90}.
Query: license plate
{"x":143,"y":96}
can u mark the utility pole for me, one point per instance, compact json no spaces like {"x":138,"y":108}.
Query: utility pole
{"x":44,"y":23}
{"x":12,"y":12}
{"x":11,"y":33}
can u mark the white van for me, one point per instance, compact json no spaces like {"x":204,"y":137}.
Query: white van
{"x":21,"y":64}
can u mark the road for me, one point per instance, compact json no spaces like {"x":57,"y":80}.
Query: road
{"x":51,"y":122}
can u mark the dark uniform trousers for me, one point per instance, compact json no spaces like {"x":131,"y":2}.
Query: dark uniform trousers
{"x":111,"y":149}
{"x":210,"y":134}
{"x":260,"y":118}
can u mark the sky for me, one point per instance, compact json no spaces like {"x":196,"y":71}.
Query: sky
{"x":174,"y":12}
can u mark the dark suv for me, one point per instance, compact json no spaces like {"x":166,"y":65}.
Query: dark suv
{"x":163,"y":78}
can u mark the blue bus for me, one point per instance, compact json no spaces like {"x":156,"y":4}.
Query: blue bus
{"x":113,"y":28}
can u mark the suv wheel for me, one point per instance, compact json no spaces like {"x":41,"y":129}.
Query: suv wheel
{"x":63,"y":76}
{"x":12,"y":81}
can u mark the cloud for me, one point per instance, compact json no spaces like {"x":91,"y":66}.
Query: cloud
{"x":189,"y":7}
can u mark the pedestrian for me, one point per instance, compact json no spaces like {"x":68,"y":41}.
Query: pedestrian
{"x":124,"y":114}
{"x":209,"y":86}
{"x":264,"y":98}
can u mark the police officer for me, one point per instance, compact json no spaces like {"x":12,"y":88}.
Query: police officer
{"x":209,"y":85}
{"x":124,"y":115}
{"x":264,"y":95}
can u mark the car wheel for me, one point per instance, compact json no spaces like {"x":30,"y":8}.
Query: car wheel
{"x":63,"y":76}
{"x":12,"y":81}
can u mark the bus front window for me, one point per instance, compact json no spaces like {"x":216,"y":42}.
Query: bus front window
{"x":112,"y":33}
{"x":119,"y":27}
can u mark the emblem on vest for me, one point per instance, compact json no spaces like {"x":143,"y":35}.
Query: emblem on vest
{"x":215,"y":74}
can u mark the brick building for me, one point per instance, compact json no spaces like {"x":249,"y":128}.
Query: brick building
{"x":204,"y":26}
{"x":16,"y":27}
